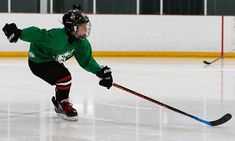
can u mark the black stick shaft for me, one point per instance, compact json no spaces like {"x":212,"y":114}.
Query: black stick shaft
{"x":165,"y":105}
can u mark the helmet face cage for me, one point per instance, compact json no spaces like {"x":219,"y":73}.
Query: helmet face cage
{"x":87,"y":25}
{"x":75,"y":18}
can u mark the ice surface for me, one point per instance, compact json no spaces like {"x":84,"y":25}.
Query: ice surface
{"x":26,"y":112}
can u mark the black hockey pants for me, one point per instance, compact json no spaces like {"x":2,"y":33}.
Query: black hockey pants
{"x":54,"y":73}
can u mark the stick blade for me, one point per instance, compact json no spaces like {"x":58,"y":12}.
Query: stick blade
{"x":205,"y":62}
{"x":222,"y":120}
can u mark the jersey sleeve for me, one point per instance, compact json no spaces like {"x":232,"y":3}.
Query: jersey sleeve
{"x":85,"y":59}
{"x":34,"y":34}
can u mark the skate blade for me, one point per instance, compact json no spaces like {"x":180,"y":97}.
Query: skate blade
{"x":64,"y":117}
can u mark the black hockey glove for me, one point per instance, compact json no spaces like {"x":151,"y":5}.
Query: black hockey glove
{"x":12,"y":32}
{"x":105,"y":76}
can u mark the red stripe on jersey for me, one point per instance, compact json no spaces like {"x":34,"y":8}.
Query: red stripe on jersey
{"x":64,"y":79}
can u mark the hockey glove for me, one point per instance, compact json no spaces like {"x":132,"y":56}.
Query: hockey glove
{"x":105,"y":76}
{"x":12,"y":32}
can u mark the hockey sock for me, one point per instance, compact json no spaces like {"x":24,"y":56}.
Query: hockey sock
{"x":63,"y":87}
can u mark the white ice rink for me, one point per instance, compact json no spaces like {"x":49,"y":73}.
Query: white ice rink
{"x":26,"y":111}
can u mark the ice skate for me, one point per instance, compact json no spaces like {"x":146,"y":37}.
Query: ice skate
{"x":65,"y":110}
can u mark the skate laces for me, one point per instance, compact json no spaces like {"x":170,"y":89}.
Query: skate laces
{"x":67,"y":106}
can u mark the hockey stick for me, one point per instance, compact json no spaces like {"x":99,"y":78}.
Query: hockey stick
{"x":220,"y":121}
{"x":208,"y":63}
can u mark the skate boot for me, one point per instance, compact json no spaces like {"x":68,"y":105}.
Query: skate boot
{"x":65,"y":110}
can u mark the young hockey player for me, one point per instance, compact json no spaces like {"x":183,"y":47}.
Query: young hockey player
{"x":49,"y":49}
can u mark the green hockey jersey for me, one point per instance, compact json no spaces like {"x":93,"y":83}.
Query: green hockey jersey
{"x":53,"y":45}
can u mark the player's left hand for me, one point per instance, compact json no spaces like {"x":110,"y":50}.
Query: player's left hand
{"x":105,"y":76}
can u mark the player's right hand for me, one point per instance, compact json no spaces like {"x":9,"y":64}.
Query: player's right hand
{"x":12,"y":32}
{"x":105,"y":75}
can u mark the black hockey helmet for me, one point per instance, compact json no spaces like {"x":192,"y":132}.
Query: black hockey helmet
{"x":74,"y":18}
